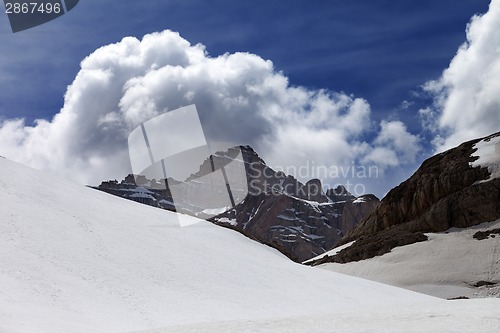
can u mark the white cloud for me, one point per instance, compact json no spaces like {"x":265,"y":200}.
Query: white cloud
{"x":405,"y":105}
{"x":394,"y":134}
{"x":468,"y":92}
{"x":241,"y":98}
{"x":382,"y":156}
{"x":393,"y":147}
{"x":428,"y":119}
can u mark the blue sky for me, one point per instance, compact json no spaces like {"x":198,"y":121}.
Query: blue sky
{"x":382,"y":51}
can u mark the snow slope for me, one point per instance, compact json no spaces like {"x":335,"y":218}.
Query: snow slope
{"x":448,"y":265}
{"x":457,"y":316}
{"x":75,"y":260}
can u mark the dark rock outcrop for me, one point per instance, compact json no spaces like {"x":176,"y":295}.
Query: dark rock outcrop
{"x":481,"y":235}
{"x":152,"y":193}
{"x":374,"y":245}
{"x":356,"y":209}
{"x":339,"y":193}
{"x":446,"y":191}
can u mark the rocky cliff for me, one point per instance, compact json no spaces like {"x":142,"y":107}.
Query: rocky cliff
{"x":299,"y":228}
{"x":448,"y":190}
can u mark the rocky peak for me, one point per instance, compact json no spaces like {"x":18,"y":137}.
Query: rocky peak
{"x":313,"y":191}
{"x":339,"y":193}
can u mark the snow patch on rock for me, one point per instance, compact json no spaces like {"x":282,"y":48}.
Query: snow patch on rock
{"x":228,"y":220}
{"x":488,"y":151}
{"x":359,"y":200}
{"x":332,"y":252}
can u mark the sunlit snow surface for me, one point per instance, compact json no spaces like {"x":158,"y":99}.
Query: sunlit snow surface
{"x":489,"y":156}
{"x":447,"y":265}
{"x":456,"y":316}
{"x":78,"y":260}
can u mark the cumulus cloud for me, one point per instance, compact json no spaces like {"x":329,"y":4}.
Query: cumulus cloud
{"x":240,"y":97}
{"x":467,"y":95}
{"x":394,"y":145}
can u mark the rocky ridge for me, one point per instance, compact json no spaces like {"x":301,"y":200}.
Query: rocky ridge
{"x":300,"y":220}
{"x":448,"y":190}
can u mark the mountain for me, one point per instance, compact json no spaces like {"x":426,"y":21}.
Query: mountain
{"x":449,"y":211}
{"x":450,"y":189}
{"x":300,"y":220}
{"x":79,"y":260}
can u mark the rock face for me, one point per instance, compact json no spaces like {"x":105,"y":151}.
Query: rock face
{"x":299,"y":228}
{"x":356,"y":209}
{"x":446,"y":191}
{"x":300,"y":220}
{"x":145,"y":191}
